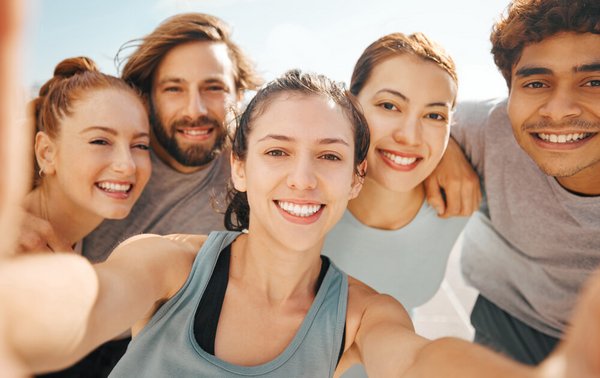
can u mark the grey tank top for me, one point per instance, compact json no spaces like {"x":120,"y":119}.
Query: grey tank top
{"x":167,"y":347}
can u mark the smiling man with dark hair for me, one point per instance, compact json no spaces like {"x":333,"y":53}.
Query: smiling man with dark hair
{"x":537,"y":236}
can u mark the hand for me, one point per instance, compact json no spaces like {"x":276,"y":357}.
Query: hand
{"x":37,"y":235}
{"x":456,"y":176}
{"x":577,"y":355}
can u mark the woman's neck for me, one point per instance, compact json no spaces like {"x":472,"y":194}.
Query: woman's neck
{"x":382,"y":208}
{"x":67,"y":223}
{"x":281,"y":273}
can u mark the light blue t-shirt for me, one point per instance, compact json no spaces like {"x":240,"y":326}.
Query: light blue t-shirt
{"x":408,"y":263}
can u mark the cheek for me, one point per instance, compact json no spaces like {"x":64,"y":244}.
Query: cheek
{"x":436,"y":138}
{"x":143,"y":167}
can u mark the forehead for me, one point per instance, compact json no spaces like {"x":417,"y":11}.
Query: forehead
{"x":107,"y":107}
{"x":406,"y":72}
{"x":308,"y":117}
{"x":197,"y":61}
{"x":561,"y":53}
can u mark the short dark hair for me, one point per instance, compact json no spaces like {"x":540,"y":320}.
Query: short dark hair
{"x":531,"y":21}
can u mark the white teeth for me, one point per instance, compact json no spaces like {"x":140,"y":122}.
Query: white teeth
{"x":299,"y":210}
{"x":399,"y":159}
{"x":562,"y":138}
{"x":112,"y":187}
{"x":195,"y":132}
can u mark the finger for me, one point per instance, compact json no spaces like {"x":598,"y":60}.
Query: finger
{"x":453,"y":199}
{"x":31,"y":243}
{"x":434,"y":196}
{"x":466,"y":208}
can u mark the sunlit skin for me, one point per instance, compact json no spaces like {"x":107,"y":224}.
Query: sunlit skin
{"x":97,"y":166}
{"x":299,"y":170}
{"x":407,"y":102}
{"x":554,"y":108}
{"x":193,"y":81}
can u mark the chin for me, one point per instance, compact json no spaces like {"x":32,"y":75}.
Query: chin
{"x":117,"y":213}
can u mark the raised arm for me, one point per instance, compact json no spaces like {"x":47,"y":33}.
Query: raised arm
{"x":455,"y":175}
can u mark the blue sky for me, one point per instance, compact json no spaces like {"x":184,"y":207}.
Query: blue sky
{"x":326,"y":36}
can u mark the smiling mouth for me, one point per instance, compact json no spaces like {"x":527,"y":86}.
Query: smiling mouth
{"x":563,"y":138}
{"x":299,"y":210}
{"x":112,"y":187}
{"x":402,"y":161}
{"x":196,"y":132}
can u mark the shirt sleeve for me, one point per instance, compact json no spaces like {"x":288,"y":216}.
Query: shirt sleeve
{"x":468,"y":129}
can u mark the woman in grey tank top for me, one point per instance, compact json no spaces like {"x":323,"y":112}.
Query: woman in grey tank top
{"x":297,"y":158}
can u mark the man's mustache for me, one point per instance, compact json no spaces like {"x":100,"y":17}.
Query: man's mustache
{"x":581,"y":124}
{"x":198,"y":122}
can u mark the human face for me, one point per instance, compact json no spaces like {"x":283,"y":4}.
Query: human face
{"x":193,"y":88}
{"x":100,"y":161}
{"x":299,"y":170}
{"x":407,"y":102}
{"x":554,"y":108}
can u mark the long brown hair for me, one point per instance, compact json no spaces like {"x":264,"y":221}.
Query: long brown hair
{"x":395,"y":44}
{"x":150,"y":50}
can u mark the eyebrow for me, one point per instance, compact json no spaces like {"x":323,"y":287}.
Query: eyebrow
{"x":285,"y":138}
{"x":112,"y":131}
{"x":178,"y":80}
{"x":170,"y":79}
{"x":396,"y":93}
{"x":530,"y":71}
{"x":592,"y":67}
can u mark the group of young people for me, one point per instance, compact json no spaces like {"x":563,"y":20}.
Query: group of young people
{"x":292,"y":237}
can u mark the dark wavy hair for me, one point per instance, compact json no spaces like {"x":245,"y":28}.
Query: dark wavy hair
{"x":531,"y":21}
{"x":237,"y":215}
{"x":174,"y":31}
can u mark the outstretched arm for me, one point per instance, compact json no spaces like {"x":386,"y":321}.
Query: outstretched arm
{"x":59,"y":307}
{"x":389,"y":347}
{"x":455,"y":175}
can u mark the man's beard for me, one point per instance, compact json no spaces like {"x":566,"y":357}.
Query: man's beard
{"x":193,"y":156}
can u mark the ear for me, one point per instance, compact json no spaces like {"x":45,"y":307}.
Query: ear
{"x":238,"y":173}
{"x":45,"y":153}
{"x":358,"y":180}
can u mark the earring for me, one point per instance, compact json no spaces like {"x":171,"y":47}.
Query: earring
{"x":41,"y":172}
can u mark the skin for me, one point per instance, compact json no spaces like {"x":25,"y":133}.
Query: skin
{"x":194,"y":86}
{"x":147,"y":270}
{"x":96,"y":167}
{"x":555,"y":94}
{"x":407,"y":102}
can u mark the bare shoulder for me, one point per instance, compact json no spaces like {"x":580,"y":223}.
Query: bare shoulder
{"x":168,"y":259}
{"x":174,"y":243}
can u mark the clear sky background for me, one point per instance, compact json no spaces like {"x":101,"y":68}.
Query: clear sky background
{"x":325,"y":36}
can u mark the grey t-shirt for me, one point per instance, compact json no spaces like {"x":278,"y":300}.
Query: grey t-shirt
{"x":172,"y":202}
{"x":167,"y":347}
{"x":533,"y":243}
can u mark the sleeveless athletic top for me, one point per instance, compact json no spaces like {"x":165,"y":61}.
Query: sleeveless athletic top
{"x":167,"y":346}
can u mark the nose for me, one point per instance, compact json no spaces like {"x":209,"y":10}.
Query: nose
{"x":408,"y":131}
{"x":195,"y":106}
{"x":560,"y":105}
{"x":302,"y":174}
{"x":123,"y":163}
